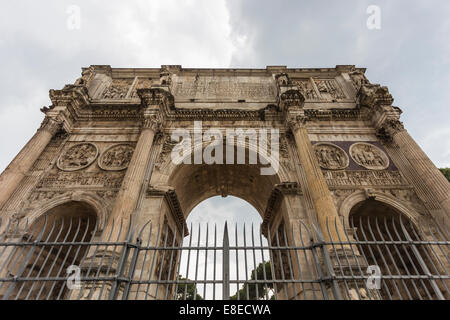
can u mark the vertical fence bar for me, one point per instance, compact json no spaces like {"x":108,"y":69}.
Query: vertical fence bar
{"x":328,"y":266}
{"x":226,"y":265}
{"x":215,"y":251}
{"x":49,"y":250}
{"x":122,"y":263}
{"x":422,"y":263}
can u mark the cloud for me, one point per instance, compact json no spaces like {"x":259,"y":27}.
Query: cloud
{"x":39,"y":52}
{"x":410,"y":53}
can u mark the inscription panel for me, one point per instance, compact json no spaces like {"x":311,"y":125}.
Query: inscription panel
{"x":224,"y":88}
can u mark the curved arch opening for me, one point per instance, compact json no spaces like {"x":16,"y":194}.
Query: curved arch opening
{"x":395,"y":253}
{"x":217,"y":209}
{"x":195,"y":183}
{"x":210,"y":195}
{"x":207,"y":229}
{"x":58,"y":237}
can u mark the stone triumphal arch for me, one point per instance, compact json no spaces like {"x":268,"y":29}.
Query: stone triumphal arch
{"x":105,"y":153}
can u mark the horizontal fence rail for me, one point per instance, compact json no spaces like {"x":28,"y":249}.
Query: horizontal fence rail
{"x":374,"y":258}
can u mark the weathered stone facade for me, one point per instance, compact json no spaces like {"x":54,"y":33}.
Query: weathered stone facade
{"x":106,"y":141}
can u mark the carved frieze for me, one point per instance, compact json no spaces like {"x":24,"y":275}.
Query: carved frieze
{"x":116,"y":157}
{"x":369,"y":156}
{"x":363,"y":178}
{"x":330,"y":156}
{"x":77,"y":157}
{"x":82,"y":179}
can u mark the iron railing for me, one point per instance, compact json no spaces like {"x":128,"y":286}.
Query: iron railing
{"x":375,"y":258}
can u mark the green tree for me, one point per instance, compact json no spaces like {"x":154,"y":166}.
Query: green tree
{"x":186,"y":291}
{"x":446,"y":173}
{"x":256,"y":274}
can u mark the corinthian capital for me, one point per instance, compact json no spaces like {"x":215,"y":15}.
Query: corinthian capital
{"x":51,"y":125}
{"x":296,"y":121}
{"x":155,"y":97}
{"x":291,"y":98}
{"x":152,"y":121}
{"x":389,"y":128}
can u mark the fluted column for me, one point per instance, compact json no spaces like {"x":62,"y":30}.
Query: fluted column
{"x":430,"y":177}
{"x":128,"y":194}
{"x":21,"y":164}
{"x":321,"y":196}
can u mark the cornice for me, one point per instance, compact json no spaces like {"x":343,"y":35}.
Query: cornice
{"x":374,"y":95}
{"x":69,"y":95}
{"x":171,"y":198}
{"x":273,"y":204}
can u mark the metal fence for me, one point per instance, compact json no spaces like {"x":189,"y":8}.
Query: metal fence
{"x":384,"y":258}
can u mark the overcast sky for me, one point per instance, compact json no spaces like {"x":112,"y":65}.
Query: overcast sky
{"x":410,"y":54}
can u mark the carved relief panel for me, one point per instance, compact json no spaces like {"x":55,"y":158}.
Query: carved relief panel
{"x":77,"y":157}
{"x":116,"y":157}
{"x":77,"y":169}
{"x":369,"y":156}
{"x":118,"y":89}
{"x":330,"y":156}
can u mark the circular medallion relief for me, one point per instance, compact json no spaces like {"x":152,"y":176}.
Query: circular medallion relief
{"x":369,"y":156}
{"x":330,"y":156}
{"x":77,"y":157}
{"x":116,"y":157}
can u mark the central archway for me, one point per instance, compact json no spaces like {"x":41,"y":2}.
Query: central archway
{"x":206,"y":227}
{"x":195,"y":183}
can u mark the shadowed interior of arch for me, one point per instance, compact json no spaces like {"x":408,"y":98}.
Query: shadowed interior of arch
{"x":373,"y":220}
{"x":71,"y":222}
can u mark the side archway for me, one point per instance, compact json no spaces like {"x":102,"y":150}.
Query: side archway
{"x":85,"y":201}
{"x":360,"y":196}
{"x":55,"y":243}
{"x":388,"y":238}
